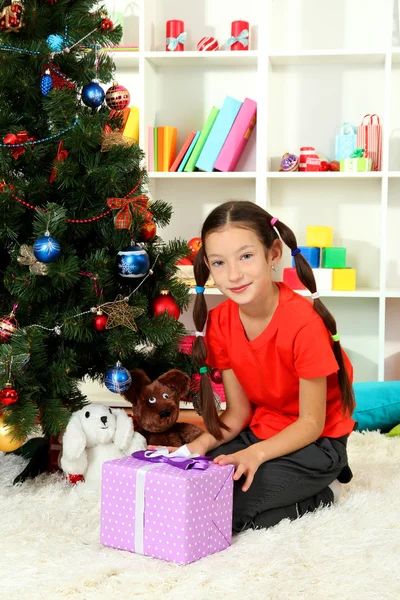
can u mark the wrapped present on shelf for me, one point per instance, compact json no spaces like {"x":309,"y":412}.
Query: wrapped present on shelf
{"x":186,"y":273}
{"x":174,"y":508}
{"x":357,"y":162}
{"x":369,"y":138}
{"x":346,"y":141}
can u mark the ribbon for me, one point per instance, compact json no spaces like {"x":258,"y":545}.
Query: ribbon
{"x":173,"y":42}
{"x":17,"y":139}
{"x":123,"y":219}
{"x":60,"y":157}
{"x":358,"y":153}
{"x":186,"y":463}
{"x":243,"y":38}
{"x":27,"y":257}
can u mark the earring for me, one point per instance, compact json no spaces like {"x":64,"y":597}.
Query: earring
{"x":274,"y":268}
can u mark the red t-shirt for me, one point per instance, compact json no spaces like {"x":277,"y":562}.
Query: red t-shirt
{"x":295,"y":345}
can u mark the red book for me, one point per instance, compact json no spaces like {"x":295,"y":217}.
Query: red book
{"x":182,"y":151}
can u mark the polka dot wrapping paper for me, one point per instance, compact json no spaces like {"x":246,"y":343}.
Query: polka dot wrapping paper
{"x":165,"y":512}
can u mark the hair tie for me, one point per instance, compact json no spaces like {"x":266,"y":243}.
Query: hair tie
{"x":336,"y":337}
{"x":315,"y":295}
{"x":199,"y":333}
{"x":203,"y":370}
{"x":273,"y":221}
{"x":296,"y":251}
{"x":199,"y":289}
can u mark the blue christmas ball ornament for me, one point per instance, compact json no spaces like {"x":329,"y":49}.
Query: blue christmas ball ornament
{"x":93,"y":95}
{"x":46,"y":83}
{"x":46,"y":249}
{"x":118,"y":379}
{"x":133,"y":262}
{"x":55,"y":42}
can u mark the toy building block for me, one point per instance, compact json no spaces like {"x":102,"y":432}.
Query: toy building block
{"x":324,"y":279}
{"x":312,"y":256}
{"x":291,"y":279}
{"x":334,"y":258}
{"x":319,"y":236}
{"x":344,"y":280}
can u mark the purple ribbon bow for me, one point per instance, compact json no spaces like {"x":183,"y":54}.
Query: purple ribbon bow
{"x":200,"y":462}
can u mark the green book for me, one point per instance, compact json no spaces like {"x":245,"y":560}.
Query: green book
{"x":155,"y":148}
{"x":191,"y":163}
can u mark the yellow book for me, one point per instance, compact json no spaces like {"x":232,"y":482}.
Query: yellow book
{"x":170,"y":135}
{"x":131,"y":128}
{"x":160,"y":148}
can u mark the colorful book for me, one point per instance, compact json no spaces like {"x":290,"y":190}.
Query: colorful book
{"x":218,"y":134}
{"x":202,"y":139}
{"x":160,"y":148}
{"x":131,"y":128}
{"x":169,"y":150}
{"x":237,"y":137}
{"x":155,"y":149}
{"x":150,"y":148}
{"x":182,"y":151}
{"x":189,"y":152}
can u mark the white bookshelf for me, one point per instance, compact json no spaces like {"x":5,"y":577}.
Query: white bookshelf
{"x":311,"y":65}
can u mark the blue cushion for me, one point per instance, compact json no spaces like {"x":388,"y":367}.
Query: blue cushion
{"x":377,"y":405}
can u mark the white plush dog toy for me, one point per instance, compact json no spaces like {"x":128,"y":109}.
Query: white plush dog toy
{"x":95,"y":434}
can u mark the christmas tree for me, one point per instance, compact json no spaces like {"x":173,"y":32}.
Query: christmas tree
{"x":83,"y":271}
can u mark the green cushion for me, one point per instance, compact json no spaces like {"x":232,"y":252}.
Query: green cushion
{"x":377,"y":405}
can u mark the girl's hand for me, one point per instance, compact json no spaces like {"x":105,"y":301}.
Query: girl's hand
{"x":246,"y":462}
{"x":169,"y":448}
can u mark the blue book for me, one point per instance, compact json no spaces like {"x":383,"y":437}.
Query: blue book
{"x":189,"y":152}
{"x":218,"y":134}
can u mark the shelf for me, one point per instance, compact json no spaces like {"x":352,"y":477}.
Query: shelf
{"x":394,"y":174}
{"x":326,"y":57}
{"x":396,"y":56}
{"x":124,"y":59}
{"x":324,"y":175}
{"x":202,"y":175}
{"x":395,"y":293}
{"x":200,"y":59}
{"x":360,"y":293}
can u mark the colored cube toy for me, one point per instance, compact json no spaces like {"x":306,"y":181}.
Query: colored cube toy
{"x":312,"y":256}
{"x":344,"y":280}
{"x":175,"y":513}
{"x":319,"y":236}
{"x":334,"y":258}
{"x":291,"y":279}
{"x":324,"y":279}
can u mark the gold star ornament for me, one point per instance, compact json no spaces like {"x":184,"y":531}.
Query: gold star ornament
{"x":120,"y":313}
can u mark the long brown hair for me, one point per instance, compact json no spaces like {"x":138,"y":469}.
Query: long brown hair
{"x":251,"y":216}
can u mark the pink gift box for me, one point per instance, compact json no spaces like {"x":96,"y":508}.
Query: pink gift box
{"x":166,"y":512}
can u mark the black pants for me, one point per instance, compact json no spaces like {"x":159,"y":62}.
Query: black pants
{"x":288,"y":486}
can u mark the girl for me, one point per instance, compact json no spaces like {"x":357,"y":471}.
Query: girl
{"x":287,"y":381}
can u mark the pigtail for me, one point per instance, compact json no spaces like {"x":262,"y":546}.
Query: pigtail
{"x":207,"y":407}
{"x":306,"y":276}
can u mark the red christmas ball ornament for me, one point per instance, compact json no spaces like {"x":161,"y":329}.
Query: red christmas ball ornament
{"x":117,"y":97}
{"x":216,"y":376}
{"x":100,"y":321}
{"x":107,"y":24}
{"x":8,"y":395}
{"x":207,"y":44}
{"x":148,"y":231}
{"x":8,"y":326}
{"x":165,"y":303}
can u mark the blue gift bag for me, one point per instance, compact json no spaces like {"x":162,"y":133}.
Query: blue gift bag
{"x":346,"y":141}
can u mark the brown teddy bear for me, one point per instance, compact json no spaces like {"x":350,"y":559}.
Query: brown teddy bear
{"x":156,"y":408}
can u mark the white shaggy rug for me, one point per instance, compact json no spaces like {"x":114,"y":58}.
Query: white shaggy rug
{"x":49,"y":545}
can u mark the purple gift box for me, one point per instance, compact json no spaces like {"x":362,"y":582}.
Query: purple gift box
{"x":161,"y":510}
